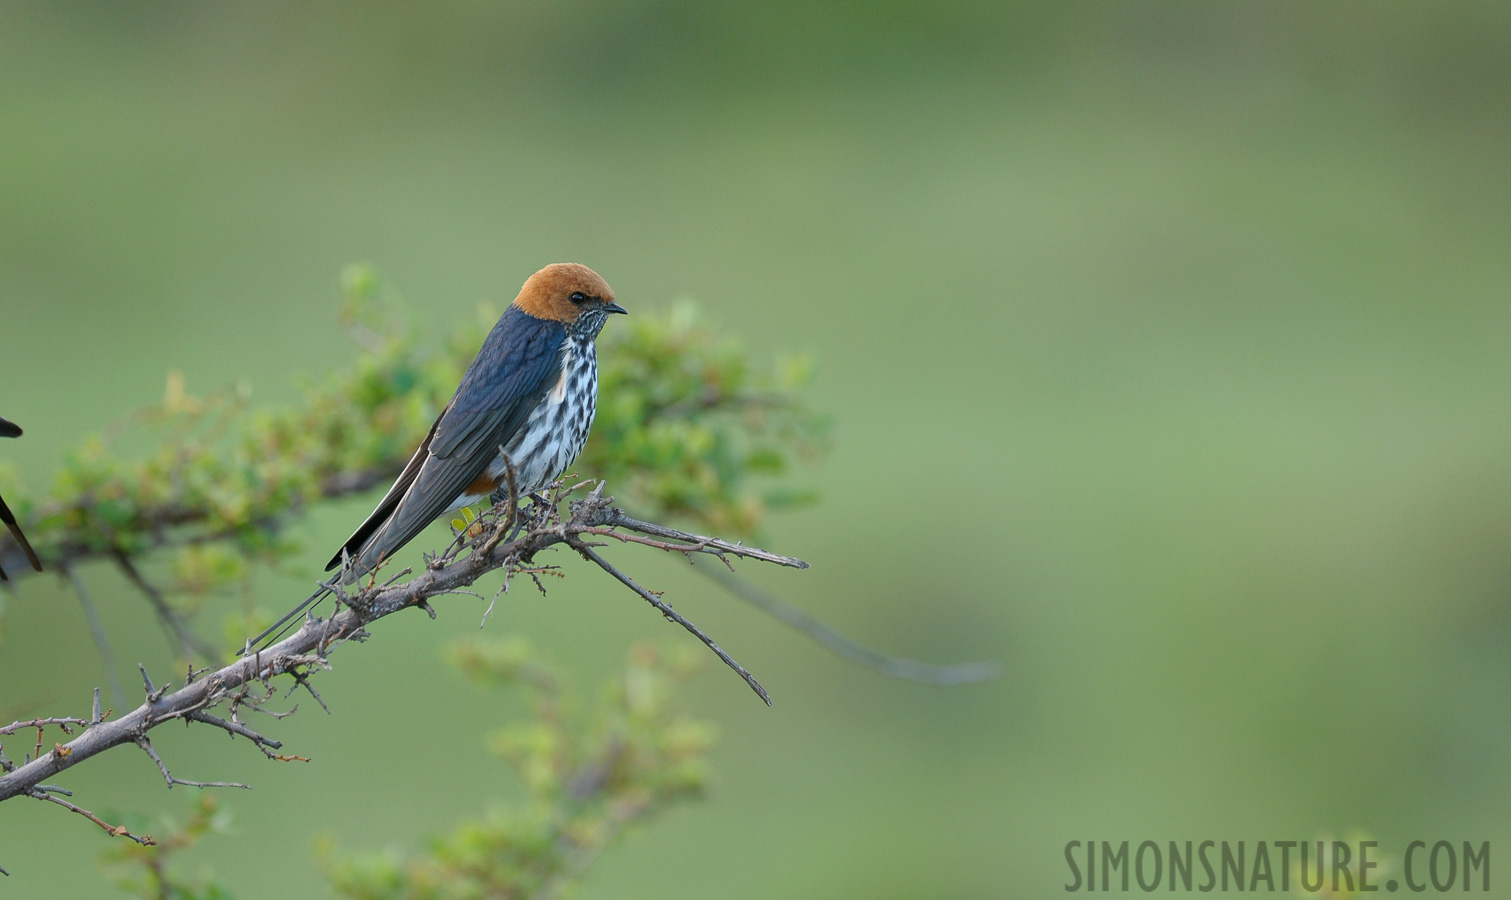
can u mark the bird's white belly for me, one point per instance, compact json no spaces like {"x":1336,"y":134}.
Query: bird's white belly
{"x":557,"y":429}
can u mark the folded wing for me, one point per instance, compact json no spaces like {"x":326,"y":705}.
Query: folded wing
{"x":517,"y":365}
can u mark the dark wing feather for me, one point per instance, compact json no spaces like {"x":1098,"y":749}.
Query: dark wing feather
{"x":385,"y":507}
{"x":517,"y":365}
{"x":9,"y":519}
{"x":11,"y":429}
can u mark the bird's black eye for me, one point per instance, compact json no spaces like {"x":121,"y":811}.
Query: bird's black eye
{"x":578,"y":297}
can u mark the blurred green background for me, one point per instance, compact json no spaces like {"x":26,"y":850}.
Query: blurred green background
{"x":1166,"y":342}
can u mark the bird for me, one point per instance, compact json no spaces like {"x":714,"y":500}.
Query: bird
{"x":12,"y":430}
{"x":526,"y":402}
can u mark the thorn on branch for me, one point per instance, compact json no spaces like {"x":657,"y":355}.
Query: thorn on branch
{"x":396,"y":576}
{"x":154,"y":694}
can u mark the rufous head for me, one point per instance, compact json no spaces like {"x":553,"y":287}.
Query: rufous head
{"x":565,"y":292}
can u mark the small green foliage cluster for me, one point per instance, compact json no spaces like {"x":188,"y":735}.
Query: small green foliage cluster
{"x":687,"y":428}
{"x":146,"y":872}
{"x":587,"y":774}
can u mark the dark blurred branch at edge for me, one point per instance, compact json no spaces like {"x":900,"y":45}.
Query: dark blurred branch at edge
{"x":165,"y":526}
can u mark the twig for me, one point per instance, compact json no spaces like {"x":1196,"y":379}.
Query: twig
{"x":672,"y":614}
{"x":692,"y":543}
{"x":97,"y":631}
{"x":511,"y":506}
{"x":458,"y":591}
{"x":113,"y":830}
{"x":234,"y":729}
{"x":895,"y":666}
{"x":63,"y":722}
{"x":302,"y":679}
{"x":172,"y":779}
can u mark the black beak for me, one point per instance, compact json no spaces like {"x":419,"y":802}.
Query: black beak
{"x":9,"y":429}
{"x":612,"y":307}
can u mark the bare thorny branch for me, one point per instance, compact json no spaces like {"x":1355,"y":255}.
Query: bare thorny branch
{"x":503,"y":539}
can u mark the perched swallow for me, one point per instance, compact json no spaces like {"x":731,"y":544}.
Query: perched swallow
{"x":532,"y":390}
{"x":11,"y":429}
